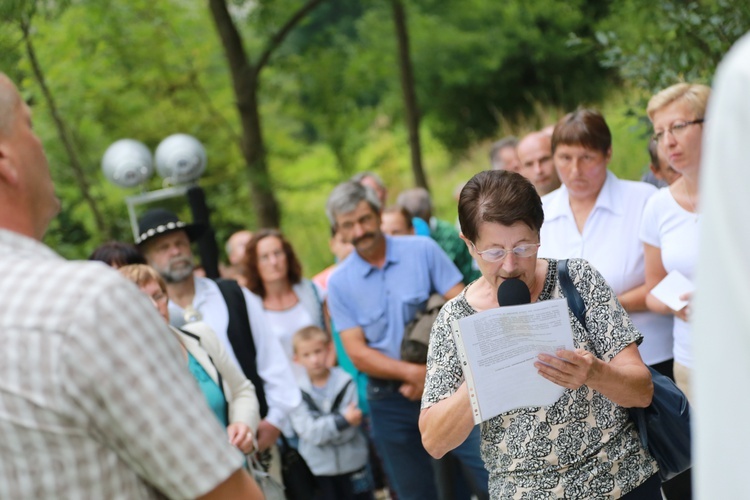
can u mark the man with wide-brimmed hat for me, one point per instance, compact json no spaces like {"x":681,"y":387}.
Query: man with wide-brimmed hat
{"x":228,"y":309}
{"x":159,"y":222}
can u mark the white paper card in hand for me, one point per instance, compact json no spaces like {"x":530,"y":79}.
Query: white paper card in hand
{"x":671,"y":287}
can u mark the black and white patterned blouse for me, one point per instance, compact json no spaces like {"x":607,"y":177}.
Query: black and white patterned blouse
{"x":582,"y":446}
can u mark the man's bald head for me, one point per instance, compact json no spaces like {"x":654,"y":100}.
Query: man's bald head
{"x":27,"y":194}
{"x":236,"y":245}
{"x":535,"y":154}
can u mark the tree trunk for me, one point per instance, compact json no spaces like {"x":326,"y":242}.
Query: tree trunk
{"x":65,"y":137}
{"x":411,"y":109}
{"x":245,"y":83}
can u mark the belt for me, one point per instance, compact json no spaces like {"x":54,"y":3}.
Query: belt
{"x":384,"y":384}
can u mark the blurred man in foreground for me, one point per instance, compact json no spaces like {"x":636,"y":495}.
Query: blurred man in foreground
{"x":94,"y":401}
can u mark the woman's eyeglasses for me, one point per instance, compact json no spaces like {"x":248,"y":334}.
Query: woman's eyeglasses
{"x":676,"y":129}
{"x":498,"y":254}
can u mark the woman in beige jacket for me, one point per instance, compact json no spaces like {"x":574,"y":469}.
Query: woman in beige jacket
{"x":228,"y":392}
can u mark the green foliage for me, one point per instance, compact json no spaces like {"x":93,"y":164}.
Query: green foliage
{"x":110,"y":85}
{"x":476,"y":63}
{"x":330,"y":97}
{"x":481,"y":61}
{"x":654,"y":45}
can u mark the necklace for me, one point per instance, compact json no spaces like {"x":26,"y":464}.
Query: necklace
{"x":692,"y":204}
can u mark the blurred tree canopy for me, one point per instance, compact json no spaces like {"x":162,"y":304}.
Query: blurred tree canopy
{"x":654,"y":45}
{"x":329,"y":98}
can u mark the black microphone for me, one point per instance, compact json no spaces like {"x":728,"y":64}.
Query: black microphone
{"x":513,"y":292}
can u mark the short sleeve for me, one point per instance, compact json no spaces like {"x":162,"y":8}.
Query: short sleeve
{"x":649,"y":232}
{"x":610,"y":329}
{"x":444,"y":373}
{"x":342,"y":315}
{"x":124,"y":370}
{"x":320,"y":292}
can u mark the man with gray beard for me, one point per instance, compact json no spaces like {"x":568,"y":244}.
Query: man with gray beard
{"x":228,"y":309}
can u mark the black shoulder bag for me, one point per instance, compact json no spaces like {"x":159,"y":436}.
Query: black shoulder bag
{"x":241,"y":337}
{"x":664,"y":426}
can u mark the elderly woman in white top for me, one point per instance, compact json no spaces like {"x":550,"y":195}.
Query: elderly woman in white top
{"x":597,"y":217}
{"x":671,"y":220}
{"x":229,"y":394}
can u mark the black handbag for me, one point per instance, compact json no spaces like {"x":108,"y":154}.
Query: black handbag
{"x":299,"y":481}
{"x":664,"y":426}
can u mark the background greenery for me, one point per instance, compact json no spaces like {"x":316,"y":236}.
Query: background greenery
{"x":330,"y":97}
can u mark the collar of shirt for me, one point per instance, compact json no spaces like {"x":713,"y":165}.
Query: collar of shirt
{"x":557,"y":203}
{"x":205,"y":290}
{"x":20,"y":245}
{"x":364,"y":268}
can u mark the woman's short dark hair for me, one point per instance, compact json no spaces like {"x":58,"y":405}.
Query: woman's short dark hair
{"x":254,"y":282}
{"x":117,"y":254}
{"x":585,"y":127}
{"x":498,"y":196}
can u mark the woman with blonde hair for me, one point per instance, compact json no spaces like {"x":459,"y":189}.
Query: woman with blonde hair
{"x":671,"y":219}
{"x":229,"y":394}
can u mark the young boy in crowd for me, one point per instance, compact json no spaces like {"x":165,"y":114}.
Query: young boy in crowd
{"x":327,"y":422}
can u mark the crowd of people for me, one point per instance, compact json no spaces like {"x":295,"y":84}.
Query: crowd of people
{"x":147,"y":380}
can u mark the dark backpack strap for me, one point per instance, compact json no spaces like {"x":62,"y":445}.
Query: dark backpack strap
{"x":340,"y":396}
{"x":575,"y":302}
{"x":321,"y":307}
{"x":241,"y":337}
{"x":310,"y":402}
{"x":191,"y":335}
{"x":307,"y":398}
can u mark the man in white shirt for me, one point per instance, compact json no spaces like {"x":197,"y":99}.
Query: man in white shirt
{"x":95,"y":401}
{"x":165,"y":242}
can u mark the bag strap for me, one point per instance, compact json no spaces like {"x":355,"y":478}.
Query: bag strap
{"x":219,"y":381}
{"x":240,"y":337}
{"x":572,"y":295}
{"x":576,"y":305}
{"x":321,"y":305}
{"x":310,"y":402}
{"x":336,"y":402}
{"x":340,"y":396}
